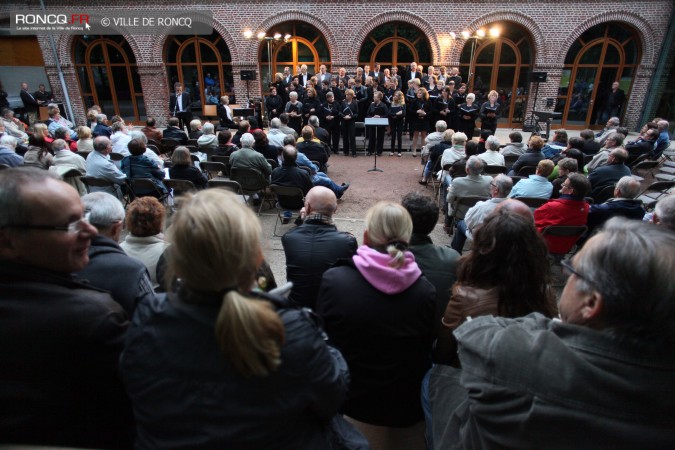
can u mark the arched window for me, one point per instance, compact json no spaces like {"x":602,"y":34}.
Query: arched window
{"x":395,"y":44}
{"x":306,"y":46}
{"x":202,"y":63}
{"x":108,"y":76}
{"x":501,"y":64}
{"x":603,"y":54}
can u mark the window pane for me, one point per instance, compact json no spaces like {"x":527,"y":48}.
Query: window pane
{"x":423,"y":51}
{"x":171,"y":50}
{"x":523,"y":79}
{"x":102,"y":87}
{"x":505,"y":89}
{"x":385,"y":53}
{"x":140,"y":103}
{"x":573,"y":52}
{"x":96,"y":55}
{"x":612,"y":55}
{"x":191,"y":83}
{"x":407,"y":31}
{"x":207,"y":53}
{"x":508,"y":55}
{"x":172,"y":71}
{"x":466,"y":52}
{"x":188,"y":55}
{"x":564,"y":82}
{"x":486,"y":55}
{"x":304,"y":53}
{"x":322,"y":49}
{"x":525,"y":52}
{"x":224,"y":52}
{"x":482,"y":80}
{"x":285,"y":53}
{"x":581,"y":96}
{"x":595,"y":32}
{"x":124,"y":103}
{"x":115,"y":55}
{"x":80,"y":49}
{"x":592,"y":55}
{"x":405,"y":54}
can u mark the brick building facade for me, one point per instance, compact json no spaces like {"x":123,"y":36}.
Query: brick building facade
{"x":553,"y":28}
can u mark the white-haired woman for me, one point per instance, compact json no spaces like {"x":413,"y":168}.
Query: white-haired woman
{"x":378,"y":310}
{"x":214,"y":364}
{"x":468,"y":112}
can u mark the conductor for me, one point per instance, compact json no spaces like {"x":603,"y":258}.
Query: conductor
{"x":377,"y":109}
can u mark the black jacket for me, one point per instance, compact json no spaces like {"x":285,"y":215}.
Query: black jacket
{"x":291,"y":176}
{"x":29,"y":102}
{"x":386,"y":340}
{"x":187,"y":395}
{"x":176,"y":134}
{"x":189,"y":173}
{"x":529,"y":158}
{"x":60,"y":342}
{"x":315,"y":152}
{"x":112,"y":270}
{"x":311,"y":249}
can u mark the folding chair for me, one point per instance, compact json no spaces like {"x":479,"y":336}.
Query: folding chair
{"x":179,"y":187}
{"x":655,"y":192}
{"x":565,"y":231}
{"x":146,"y":187}
{"x":604,"y":194}
{"x":288,"y":198}
{"x":116,"y":156}
{"x":532,"y":202}
{"x":510,"y":160}
{"x":526,"y":171}
{"x":214,"y":169}
{"x":469,"y":201}
{"x":90,"y":182}
{"x":252,"y":182}
{"x":494,"y":170}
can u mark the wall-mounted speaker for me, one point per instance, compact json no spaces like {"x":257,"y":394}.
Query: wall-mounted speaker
{"x":538,"y":77}
{"x":248,"y":75}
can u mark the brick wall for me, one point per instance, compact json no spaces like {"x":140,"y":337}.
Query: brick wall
{"x":554,"y":26}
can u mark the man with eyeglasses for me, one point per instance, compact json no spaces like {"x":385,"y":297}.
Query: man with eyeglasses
{"x":110,"y":268}
{"x":601,"y":377}
{"x":569,"y":209}
{"x":59,"y":339}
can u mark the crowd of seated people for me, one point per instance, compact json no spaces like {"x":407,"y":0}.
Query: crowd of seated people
{"x":161,"y":337}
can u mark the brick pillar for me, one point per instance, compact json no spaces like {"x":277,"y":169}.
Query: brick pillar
{"x":637,"y":97}
{"x":156,"y":91}
{"x":240,"y":86}
{"x":74,"y":92}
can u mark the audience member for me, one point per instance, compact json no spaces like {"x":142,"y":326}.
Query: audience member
{"x":314,"y":151}
{"x":290,"y":175}
{"x":591,"y":147}
{"x":313,"y":247}
{"x":500,"y":187}
{"x":145,"y":241}
{"x":611,"y":172}
{"x":614,"y":140}
{"x":387,"y":358}
{"x":8,"y":155}
{"x":183,"y":169}
{"x":207,"y":141}
{"x":565,"y":166}
{"x":531,"y":157}
{"x":536,"y":185}
{"x":624,"y":204}
{"x":569,"y":209}
{"x":239,"y":348}
{"x":39,"y":156}
{"x":151,"y":131}
{"x":85,"y":143}
{"x":225,"y":145}
{"x":101,"y":128}
{"x":612,"y":124}
{"x":437,"y":263}
{"x":540,"y":383}
{"x":110,"y":268}
{"x":61,"y":339}
{"x":137,"y":165}
{"x":195,"y":129}
{"x":248,"y":158}
{"x":474,"y":184}
{"x":664,"y":213}
{"x":120,"y":139}
{"x":99,"y":165}
{"x":174,"y":132}
{"x":642,"y":146}
{"x":244,"y":127}
{"x":516,"y":146}
{"x":264,"y":147}
{"x":491,"y":156}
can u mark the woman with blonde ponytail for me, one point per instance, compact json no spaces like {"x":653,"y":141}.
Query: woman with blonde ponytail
{"x":378,"y":310}
{"x":214,"y":365}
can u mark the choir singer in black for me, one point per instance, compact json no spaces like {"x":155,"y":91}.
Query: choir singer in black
{"x":376,"y":134}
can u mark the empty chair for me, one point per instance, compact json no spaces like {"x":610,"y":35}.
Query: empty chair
{"x":116,"y":156}
{"x":532,"y":202}
{"x":146,"y":187}
{"x":494,"y":170}
{"x":179,"y":187}
{"x":526,"y":171}
{"x":654,"y":192}
{"x":288,"y":199}
{"x":252,"y":182}
{"x":214,"y":169}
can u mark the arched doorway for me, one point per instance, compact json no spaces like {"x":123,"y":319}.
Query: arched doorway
{"x":307,"y":45}
{"x":502,"y":64}
{"x":603,"y":54}
{"x":201,"y":63}
{"x":395,"y":44}
{"x":108,"y":76}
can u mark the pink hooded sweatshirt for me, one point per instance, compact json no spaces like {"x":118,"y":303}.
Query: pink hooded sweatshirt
{"x":375,"y":268}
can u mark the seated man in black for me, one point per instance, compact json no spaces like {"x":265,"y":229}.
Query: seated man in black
{"x":312,"y":149}
{"x":313,"y":247}
{"x":290,"y":175}
{"x":175,"y":133}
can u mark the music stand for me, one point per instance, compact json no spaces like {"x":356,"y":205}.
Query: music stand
{"x":376,"y":122}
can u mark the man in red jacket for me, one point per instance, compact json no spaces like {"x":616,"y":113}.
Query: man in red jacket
{"x":569,"y":209}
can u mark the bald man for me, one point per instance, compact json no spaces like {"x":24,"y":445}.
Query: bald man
{"x":314,"y":246}
{"x":515,"y":206}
